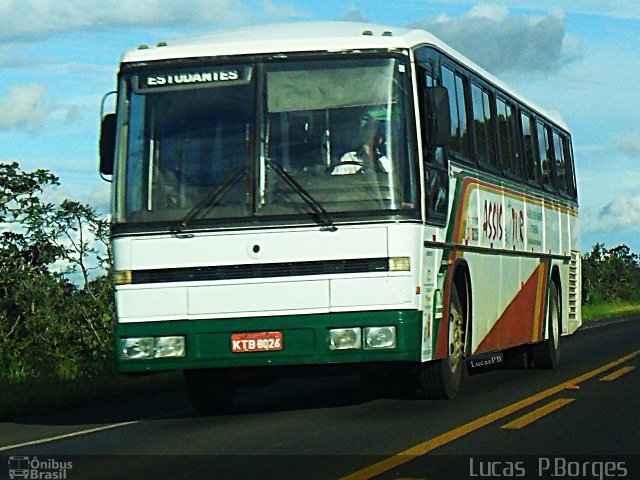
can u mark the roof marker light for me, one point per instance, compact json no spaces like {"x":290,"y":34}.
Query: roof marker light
{"x":387,"y":33}
{"x":367,"y":32}
{"x":162,"y":44}
{"x":144,"y":46}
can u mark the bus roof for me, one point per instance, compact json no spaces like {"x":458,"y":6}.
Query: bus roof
{"x":314,"y":36}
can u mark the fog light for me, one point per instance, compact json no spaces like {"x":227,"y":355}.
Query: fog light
{"x":169,"y":347}
{"x":380,"y":337}
{"x":345,"y":339}
{"x":137,"y":348}
{"x":399,"y":264}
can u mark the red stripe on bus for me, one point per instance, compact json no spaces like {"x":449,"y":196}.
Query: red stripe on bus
{"x":521,"y":322}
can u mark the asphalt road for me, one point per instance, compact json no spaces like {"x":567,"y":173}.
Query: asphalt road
{"x":580,"y":421}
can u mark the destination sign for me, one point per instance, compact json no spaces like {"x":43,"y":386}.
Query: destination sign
{"x":193,"y":78}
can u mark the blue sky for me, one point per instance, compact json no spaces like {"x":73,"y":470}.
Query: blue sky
{"x":575,"y":57}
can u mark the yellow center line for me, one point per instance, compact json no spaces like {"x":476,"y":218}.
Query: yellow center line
{"x":537,"y":414}
{"x":617,"y":374}
{"x":447,"y":437}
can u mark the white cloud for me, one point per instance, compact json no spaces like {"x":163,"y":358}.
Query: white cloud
{"x":629,"y":9}
{"x":628,"y":144}
{"x":498,"y":13}
{"x":503,"y":42}
{"x":100,"y":198}
{"x":28,"y":19}
{"x":38,"y":17}
{"x":24,"y":107}
{"x":619,"y":214}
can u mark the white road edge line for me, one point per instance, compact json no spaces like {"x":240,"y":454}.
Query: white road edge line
{"x":68,"y":435}
{"x":85,"y":432}
{"x":604,"y":323}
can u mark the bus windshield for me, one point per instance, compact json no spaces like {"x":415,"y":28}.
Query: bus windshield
{"x":209,"y":144}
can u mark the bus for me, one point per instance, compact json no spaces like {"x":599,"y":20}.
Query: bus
{"x":19,"y":467}
{"x":334,"y":195}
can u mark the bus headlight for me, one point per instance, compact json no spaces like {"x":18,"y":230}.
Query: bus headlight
{"x":380,"y":337}
{"x":169,"y":347}
{"x":147,"y":348}
{"x":399,"y":264}
{"x":345,"y":339}
{"x":137,"y":348}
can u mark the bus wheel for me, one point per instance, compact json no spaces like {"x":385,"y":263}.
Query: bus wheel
{"x":210,"y":391}
{"x":516,"y":358}
{"x":547,"y":354}
{"x":441,"y":378}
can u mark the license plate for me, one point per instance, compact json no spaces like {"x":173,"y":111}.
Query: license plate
{"x":256,"y":342}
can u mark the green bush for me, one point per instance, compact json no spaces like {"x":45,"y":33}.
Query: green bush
{"x":56,"y":300}
{"x":610,"y":275}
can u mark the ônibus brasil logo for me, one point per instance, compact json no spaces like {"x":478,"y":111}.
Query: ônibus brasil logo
{"x":32,"y":468}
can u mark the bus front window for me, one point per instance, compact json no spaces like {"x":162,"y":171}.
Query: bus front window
{"x":339,"y":129}
{"x":238,"y":145}
{"x":185,"y":143}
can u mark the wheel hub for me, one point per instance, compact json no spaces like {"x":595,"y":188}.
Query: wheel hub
{"x":456,"y":337}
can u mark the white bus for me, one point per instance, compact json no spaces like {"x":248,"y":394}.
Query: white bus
{"x":339,"y":194}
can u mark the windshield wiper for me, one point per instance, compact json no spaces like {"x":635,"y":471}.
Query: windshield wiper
{"x":211,"y":200}
{"x":319,"y":210}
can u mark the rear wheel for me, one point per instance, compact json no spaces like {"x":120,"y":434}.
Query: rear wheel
{"x":547,"y":354}
{"x":441,"y":378}
{"x":211,"y":392}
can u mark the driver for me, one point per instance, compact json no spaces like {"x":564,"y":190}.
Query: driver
{"x":372,"y":151}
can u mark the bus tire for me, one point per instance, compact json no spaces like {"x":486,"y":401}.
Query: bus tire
{"x":516,"y":358}
{"x":438,"y":381}
{"x":211,"y":392}
{"x":546,"y":354}
{"x":441,"y":379}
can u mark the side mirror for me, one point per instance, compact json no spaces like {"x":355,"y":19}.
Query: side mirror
{"x":439,"y":116}
{"x":107,"y":144}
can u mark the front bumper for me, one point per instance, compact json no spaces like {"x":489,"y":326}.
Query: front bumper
{"x":305,"y":339}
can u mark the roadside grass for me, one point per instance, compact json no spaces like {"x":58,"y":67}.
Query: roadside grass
{"x":610,"y":311}
{"x":43,"y":395}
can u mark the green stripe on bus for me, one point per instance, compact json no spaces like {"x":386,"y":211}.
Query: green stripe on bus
{"x":304,"y":337}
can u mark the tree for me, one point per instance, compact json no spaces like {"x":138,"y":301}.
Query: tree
{"x":56,"y":303}
{"x":610,"y":275}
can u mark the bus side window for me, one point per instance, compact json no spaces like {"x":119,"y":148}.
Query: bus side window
{"x":571,"y":173}
{"x":507,"y":139}
{"x":544,"y":156}
{"x":560,"y":164}
{"x":531,"y":165}
{"x":454,"y":83}
{"x":433,"y":156}
{"x":483,"y":125}
{"x":436,"y":174}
